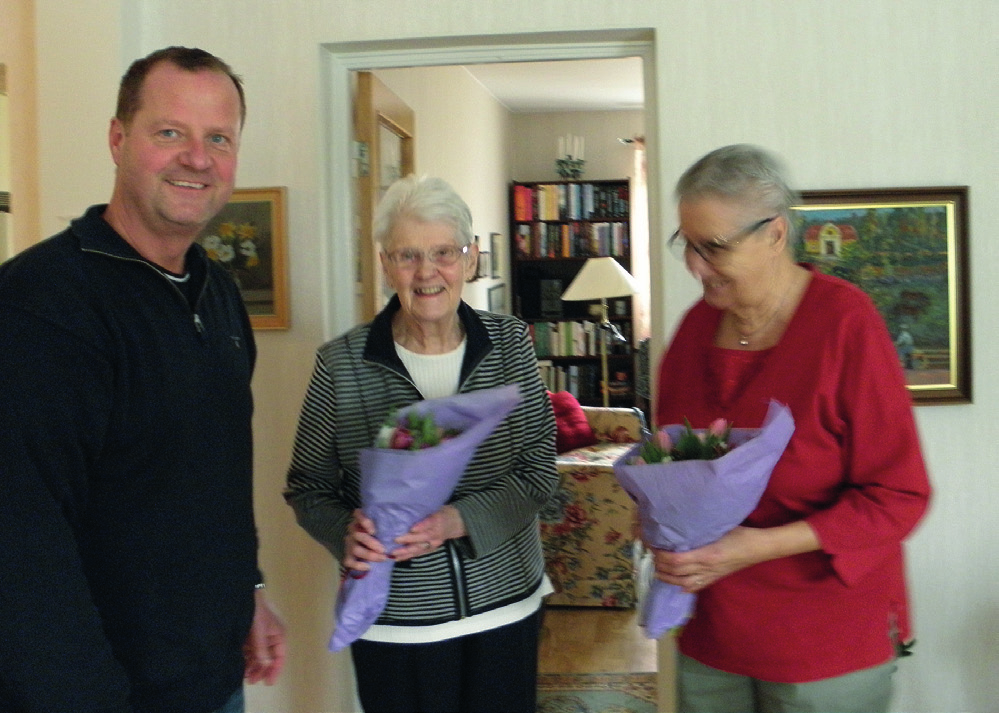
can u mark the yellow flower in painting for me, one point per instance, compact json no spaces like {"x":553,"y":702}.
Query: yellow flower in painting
{"x":246,"y":231}
{"x":227,"y":230}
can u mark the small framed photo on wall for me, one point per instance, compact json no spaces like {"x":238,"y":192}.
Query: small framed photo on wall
{"x":496,"y":247}
{"x":497,"y":299}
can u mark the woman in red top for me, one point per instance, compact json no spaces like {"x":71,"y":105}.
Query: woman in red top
{"x":803,"y":606}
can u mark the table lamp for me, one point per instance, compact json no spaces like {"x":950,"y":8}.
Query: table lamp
{"x":600,"y":279}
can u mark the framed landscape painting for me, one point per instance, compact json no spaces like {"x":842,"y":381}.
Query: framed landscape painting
{"x":247,"y":238}
{"x":907,"y":248}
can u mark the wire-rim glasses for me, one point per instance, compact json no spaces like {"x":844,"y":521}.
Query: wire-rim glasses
{"x":441,"y":256}
{"x":715,"y":250}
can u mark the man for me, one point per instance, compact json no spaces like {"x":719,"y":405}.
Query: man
{"x":128,"y":575}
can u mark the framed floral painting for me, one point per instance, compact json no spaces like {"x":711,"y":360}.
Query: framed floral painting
{"x":907,"y":248}
{"x":247,"y":238}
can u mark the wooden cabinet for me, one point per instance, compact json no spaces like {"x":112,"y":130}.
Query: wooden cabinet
{"x":554,"y":228}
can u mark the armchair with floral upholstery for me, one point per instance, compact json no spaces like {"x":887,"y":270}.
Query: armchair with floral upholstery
{"x":590,"y":553}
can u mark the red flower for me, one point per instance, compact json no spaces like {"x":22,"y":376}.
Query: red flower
{"x":402,"y":439}
{"x":575,"y":515}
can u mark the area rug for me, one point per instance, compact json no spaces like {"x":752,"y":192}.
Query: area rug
{"x":597,"y":693}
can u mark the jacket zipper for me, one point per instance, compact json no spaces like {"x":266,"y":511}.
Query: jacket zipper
{"x":454,"y":557}
{"x":199,"y":326}
{"x":457,"y":572}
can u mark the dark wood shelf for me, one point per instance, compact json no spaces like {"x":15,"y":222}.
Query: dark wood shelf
{"x":555,"y":227}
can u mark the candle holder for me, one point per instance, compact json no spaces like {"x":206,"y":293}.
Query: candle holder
{"x":569,"y":167}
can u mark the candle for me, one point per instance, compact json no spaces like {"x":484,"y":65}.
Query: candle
{"x":561,"y":147}
{"x":581,"y":141}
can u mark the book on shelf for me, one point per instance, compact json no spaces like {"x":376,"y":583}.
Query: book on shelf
{"x":570,"y":201}
{"x":581,"y":380}
{"x":566,"y":338}
{"x":541,"y":334}
{"x":544,"y":239}
{"x":523,"y":203}
{"x":550,"y":293}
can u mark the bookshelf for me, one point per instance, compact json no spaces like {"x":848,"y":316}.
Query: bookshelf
{"x":555,"y":227}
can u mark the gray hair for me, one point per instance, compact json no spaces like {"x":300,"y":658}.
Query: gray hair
{"x":426,"y":199}
{"x":742,"y":173}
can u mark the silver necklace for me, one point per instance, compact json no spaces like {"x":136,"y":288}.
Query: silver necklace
{"x":745,"y":337}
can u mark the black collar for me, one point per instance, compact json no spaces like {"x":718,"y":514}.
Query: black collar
{"x":380,"y":346}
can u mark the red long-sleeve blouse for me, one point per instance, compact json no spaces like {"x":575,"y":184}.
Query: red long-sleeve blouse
{"x":853,"y":470}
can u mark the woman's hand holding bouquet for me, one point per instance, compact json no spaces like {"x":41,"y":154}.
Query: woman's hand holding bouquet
{"x":425,"y":536}
{"x":694,"y":488}
{"x":407,"y":479}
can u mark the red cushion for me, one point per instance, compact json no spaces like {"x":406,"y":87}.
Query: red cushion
{"x":572,"y":428}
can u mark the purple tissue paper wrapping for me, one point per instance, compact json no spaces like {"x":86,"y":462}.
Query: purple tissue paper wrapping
{"x":687,"y":504}
{"x":401,"y":487}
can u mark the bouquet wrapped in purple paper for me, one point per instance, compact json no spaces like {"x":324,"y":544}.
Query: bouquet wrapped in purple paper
{"x":685,"y":502}
{"x":410,"y":478}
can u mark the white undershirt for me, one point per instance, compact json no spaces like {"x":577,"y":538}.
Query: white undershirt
{"x":435,"y":375}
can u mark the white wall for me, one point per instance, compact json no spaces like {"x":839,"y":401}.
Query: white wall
{"x":535,"y":143}
{"x":857,"y":93}
{"x":462,"y":136}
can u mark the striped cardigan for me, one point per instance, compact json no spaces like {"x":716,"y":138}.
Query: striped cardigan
{"x":357,"y":382}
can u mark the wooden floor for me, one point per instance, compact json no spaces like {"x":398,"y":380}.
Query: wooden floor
{"x":594,"y":640}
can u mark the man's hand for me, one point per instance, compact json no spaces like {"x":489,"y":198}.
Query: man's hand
{"x":264,"y":650}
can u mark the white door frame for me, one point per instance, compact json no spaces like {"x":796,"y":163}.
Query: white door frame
{"x":339,"y":60}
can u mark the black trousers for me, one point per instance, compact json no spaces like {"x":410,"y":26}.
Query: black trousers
{"x":491,"y":672}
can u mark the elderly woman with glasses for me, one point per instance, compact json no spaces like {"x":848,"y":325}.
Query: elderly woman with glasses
{"x":460,"y":630}
{"x":803,"y":607}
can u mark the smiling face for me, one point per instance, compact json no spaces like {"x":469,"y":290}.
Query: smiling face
{"x":429,"y":292}
{"x":741,"y":273}
{"x":176,"y":159}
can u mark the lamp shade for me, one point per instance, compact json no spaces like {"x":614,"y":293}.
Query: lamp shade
{"x":600,"y":278}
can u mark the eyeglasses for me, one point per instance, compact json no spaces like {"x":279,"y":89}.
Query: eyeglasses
{"x":716,"y":250}
{"x":441,"y":256}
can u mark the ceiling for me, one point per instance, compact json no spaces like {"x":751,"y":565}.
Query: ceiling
{"x":570,"y":85}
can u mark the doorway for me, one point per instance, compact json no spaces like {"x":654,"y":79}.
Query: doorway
{"x":341,"y":60}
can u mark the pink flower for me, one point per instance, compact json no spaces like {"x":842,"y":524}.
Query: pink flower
{"x":718,"y":427}
{"x":673,"y":443}
{"x":401,"y":439}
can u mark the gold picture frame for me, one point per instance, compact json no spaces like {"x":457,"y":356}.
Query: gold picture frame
{"x":247,"y":238}
{"x":907,"y":248}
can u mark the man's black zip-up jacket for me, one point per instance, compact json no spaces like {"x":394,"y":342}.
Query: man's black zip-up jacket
{"x":127,"y":540}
